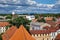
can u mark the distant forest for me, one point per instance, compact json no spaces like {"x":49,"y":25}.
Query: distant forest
{"x":46,"y":14}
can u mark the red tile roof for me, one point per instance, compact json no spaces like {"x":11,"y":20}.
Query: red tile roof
{"x":58,"y":22}
{"x":47,"y":31}
{"x":3,"y":24}
{"x":9,"y":33}
{"x":46,"y":27}
{"x":39,"y":32}
{"x":49,"y":18}
{"x":21,"y":34}
{"x":52,"y":23}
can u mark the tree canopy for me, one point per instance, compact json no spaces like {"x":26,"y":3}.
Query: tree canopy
{"x":20,"y":21}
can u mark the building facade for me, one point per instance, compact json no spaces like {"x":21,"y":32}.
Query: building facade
{"x":44,"y":32}
{"x":3,"y":26}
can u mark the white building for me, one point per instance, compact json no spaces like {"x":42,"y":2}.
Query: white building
{"x":38,"y":25}
{"x":3,"y":26}
{"x":30,"y":17}
{"x":2,"y":29}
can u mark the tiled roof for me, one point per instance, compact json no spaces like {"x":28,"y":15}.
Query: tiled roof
{"x":48,"y":18}
{"x":58,"y":22}
{"x":46,"y":27}
{"x":21,"y":34}
{"x":34,"y":20}
{"x":57,"y":37}
{"x":52,"y":23}
{"x":47,"y":31}
{"x":9,"y":33}
{"x":39,"y":31}
{"x":53,"y":29}
{"x":3,"y":24}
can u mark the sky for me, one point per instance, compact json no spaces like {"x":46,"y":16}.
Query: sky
{"x":29,"y":6}
{"x":46,"y":1}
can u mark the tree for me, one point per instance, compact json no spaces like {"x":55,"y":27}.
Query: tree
{"x":7,"y":27}
{"x":20,"y":21}
{"x":1,"y":36}
{"x":9,"y":17}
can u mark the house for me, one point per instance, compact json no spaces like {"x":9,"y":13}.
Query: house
{"x":43,"y":31}
{"x":41,"y":34}
{"x":58,"y":20}
{"x":17,"y":34}
{"x":7,"y":35}
{"x":48,"y":18}
{"x":3,"y":26}
{"x":38,"y":25}
{"x":47,"y":33}
{"x":50,"y":21}
{"x":34,"y":25}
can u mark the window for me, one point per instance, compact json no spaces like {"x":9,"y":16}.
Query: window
{"x":47,"y":38}
{"x":43,"y":38}
{"x":37,"y":34}
{"x":33,"y":28}
{"x":36,"y":28}
{"x":40,"y":34}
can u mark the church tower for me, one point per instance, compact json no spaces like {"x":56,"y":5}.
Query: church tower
{"x":13,"y":15}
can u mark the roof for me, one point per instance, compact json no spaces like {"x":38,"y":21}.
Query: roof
{"x":48,"y":18}
{"x":39,"y":32}
{"x":9,"y":33}
{"x":34,"y":20}
{"x":3,"y":24}
{"x":46,"y":27}
{"x":36,"y":23}
{"x":58,"y":22}
{"x":21,"y":34}
{"x":45,"y":24}
{"x":57,"y":37}
{"x":52,"y":23}
{"x":46,"y":31}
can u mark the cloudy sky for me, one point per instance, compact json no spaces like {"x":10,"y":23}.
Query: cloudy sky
{"x":30,"y":6}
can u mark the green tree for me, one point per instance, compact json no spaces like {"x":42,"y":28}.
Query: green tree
{"x":7,"y":27}
{"x":0,"y":36}
{"x":20,"y":21}
{"x":9,"y":17}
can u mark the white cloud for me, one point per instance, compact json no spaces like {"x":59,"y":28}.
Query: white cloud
{"x":9,"y":1}
{"x":3,"y":5}
{"x":46,"y":5}
{"x":33,"y":8}
{"x":31,"y":2}
{"x":56,"y":5}
{"x":18,"y":1}
{"x":58,"y":2}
